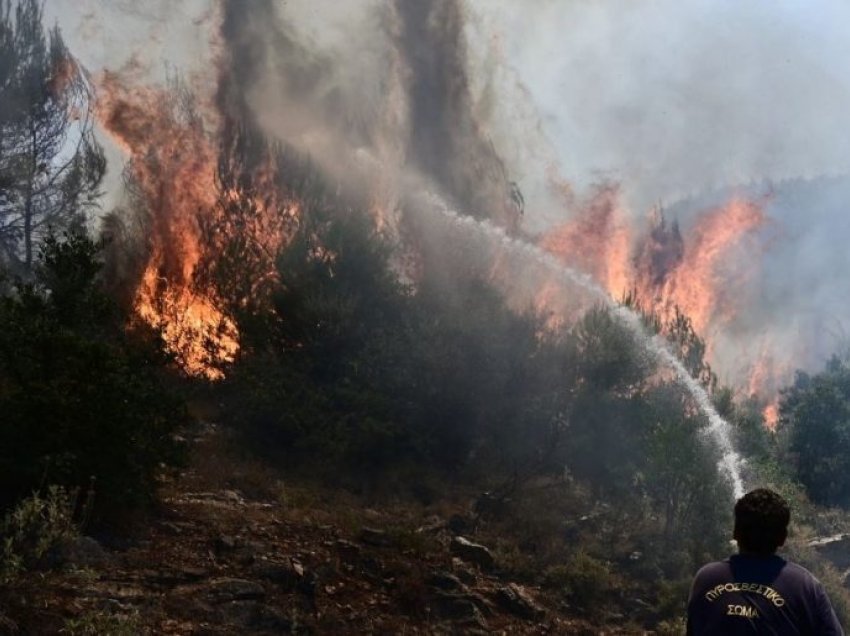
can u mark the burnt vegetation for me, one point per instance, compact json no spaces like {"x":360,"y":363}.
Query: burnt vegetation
{"x":581,"y":460}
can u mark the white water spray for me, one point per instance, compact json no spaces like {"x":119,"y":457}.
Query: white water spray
{"x":718,"y":428}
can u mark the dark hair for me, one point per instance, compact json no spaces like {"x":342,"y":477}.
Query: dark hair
{"x":761,"y":521}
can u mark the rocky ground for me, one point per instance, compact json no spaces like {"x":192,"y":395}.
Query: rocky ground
{"x":264,"y":559}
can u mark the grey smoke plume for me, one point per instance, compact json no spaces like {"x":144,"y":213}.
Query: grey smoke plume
{"x":386,"y":99}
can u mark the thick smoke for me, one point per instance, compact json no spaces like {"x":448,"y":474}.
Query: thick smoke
{"x":447,"y":140}
{"x":386,"y":100}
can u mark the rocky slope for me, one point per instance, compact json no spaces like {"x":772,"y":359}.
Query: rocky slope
{"x":264,"y":559}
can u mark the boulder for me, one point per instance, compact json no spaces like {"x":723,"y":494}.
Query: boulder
{"x":375,"y":538}
{"x":225,"y":543}
{"x":461,"y":608}
{"x":517,"y":601}
{"x":472,"y":553}
{"x":444,"y":581}
{"x":835,"y":549}
{"x":465,"y":572}
{"x":284,"y":575}
{"x":455,"y":607}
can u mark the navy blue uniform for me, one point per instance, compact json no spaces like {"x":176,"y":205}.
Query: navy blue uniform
{"x":759,"y":595}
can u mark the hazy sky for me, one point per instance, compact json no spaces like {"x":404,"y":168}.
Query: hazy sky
{"x":670,"y":96}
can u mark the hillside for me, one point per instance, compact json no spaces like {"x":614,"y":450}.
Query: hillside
{"x":232,"y":550}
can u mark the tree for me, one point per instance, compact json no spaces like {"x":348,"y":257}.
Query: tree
{"x":690,"y":348}
{"x":80,"y":397}
{"x":815,"y":416}
{"x":50,"y":163}
{"x":681,"y":470}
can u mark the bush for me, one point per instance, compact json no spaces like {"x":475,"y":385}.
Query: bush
{"x":37,"y":525}
{"x":584,"y":580}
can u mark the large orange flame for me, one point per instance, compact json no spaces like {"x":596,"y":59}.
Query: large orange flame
{"x":171,"y":170}
{"x":703,"y":284}
{"x":173,"y":157}
{"x":699,"y":274}
{"x":597,"y":241}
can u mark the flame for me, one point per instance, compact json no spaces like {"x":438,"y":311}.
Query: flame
{"x":697,"y":273}
{"x":667,"y":271}
{"x":188,"y":218}
{"x":767,"y":375}
{"x":771,"y":415}
{"x":702,"y":285}
{"x":598,"y":241}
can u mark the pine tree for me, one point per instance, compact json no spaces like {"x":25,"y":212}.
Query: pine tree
{"x":50,"y":163}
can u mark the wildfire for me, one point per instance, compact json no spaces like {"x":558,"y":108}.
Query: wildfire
{"x":666,"y":271}
{"x":768,"y":375}
{"x":698,"y":274}
{"x":189,"y":220}
{"x":598,"y":241}
{"x":771,"y":415}
{"x":702,"y":285}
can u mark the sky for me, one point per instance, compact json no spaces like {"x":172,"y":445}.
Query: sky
{"x":673,"y":97}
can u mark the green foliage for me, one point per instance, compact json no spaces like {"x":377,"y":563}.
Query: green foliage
{"x":584,"y":580}
{"x":80,"y":397}
{"x":36,"y":525}
{"x":681,"y":473}
{"x":815,"y":418}
{"x":752,"y":438}
{"x":690,"y":349}
{"x":105,"y":623}
{"x":672,"y":602}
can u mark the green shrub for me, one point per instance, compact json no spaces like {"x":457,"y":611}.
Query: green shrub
{"x":105,"y":624}
{"x":37,"y":524}
{"x":584,"y":580}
